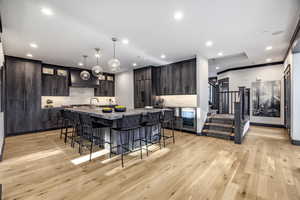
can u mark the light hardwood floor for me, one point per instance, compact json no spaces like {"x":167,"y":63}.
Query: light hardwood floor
{"x":266,"y":166}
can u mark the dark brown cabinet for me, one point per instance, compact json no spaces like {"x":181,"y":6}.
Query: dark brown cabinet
{"x":176,"y":78}
{"x":50,"y":118}
{"x":143,"y":87}
{"x":55,"y":84}
{"x":23,"y":95}
{"x":106,"y":87}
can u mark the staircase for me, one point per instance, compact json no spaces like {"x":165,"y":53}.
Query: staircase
{"x":219,"y":126}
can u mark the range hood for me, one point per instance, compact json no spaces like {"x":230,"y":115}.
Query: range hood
{"x":76,"y":80}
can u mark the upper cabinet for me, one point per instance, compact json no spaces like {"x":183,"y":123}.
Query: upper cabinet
{"x":106,"y":86}
{"x":55,"y":81}
{"x":176,"y":78}
{"x":143,"y":87}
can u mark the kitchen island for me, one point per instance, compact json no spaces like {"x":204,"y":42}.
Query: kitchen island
{"x":108,"y":133}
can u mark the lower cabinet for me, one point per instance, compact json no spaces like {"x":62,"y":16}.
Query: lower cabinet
{"x":50,"y":119}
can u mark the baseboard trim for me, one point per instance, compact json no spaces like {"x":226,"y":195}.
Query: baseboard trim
{"x":296,"y":142}
{"x":36,"y":131}
{"x":267,"y":125}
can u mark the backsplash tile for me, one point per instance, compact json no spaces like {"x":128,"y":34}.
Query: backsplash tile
{"x":180,"y":100}
{"x":77,"y":96}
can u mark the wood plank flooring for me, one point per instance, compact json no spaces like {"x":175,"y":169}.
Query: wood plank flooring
{"x":266,"y":166}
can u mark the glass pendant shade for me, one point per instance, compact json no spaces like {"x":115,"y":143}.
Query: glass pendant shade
{"x":85,"y":75}
{"x":97,"y":71}
{"x":114,"y":63}
{"x":115,"y":69}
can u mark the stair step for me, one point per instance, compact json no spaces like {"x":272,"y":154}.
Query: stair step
{"x":218,"y":134}
{"x":219,"y":124}
{"x":219,"y":127}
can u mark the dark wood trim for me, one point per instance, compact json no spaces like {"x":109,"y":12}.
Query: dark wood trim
{"x":297,"y":29}
{"x":267,"y":125}
{"x":251,"y":66}
{"x":295,"y":142}
{"x":2,"y":153}
{"x":0,"y":191}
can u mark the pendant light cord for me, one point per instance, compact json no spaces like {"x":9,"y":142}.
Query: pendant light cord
{"x":114,"y":49}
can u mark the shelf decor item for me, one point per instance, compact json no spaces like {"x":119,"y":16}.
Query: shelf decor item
{"x":107,"y":110}
{"x":97,"y":70}
{"x":120,"y":109}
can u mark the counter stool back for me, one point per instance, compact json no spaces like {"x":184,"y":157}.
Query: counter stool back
{"x":152,"y":120}
{"x":167,"y":118}
{"x":124,"y":126}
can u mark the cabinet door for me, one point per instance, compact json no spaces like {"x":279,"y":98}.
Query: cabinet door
{"x":110,"y":88}
{"x":48,"y":85}
{"x":62,"y":87}
{"x":33,"y":88}
{"x":189,"y":77}
{"x":15,"y":101}
{"x":177,"y":81}
{"x":163,"y":80}
{"x":148,"y":93}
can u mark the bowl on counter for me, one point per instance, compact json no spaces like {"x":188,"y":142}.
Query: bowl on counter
{"x":107,"y":110}
{"x":120,"y":109}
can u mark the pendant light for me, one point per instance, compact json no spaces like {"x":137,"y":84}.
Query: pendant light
{"x":97,"y":70}
{"x":85,"y":75}
{"x":114,"y":63}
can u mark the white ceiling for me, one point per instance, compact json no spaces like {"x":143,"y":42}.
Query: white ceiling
{"x":77,"y":27}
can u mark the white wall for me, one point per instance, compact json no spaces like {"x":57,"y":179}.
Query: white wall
{"x":247,"y":76}
{"x":295,"y":100}
{"x":124,"y":91}
{"x":202,"y":91}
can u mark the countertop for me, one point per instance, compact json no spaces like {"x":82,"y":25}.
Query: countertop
{"x":97,"y":112}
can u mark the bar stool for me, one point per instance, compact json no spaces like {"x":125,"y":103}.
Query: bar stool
{"x":84,"y":137}
{"x":124,"y":126}
{"x":152,"y":120}
{"x":99,"y":125}
{"x":64,"y":125}
{"x":168,"y":117}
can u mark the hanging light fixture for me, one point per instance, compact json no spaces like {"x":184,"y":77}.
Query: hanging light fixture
{"x":97,"y":70}
{"x":85,"y":75}
{"x":114,"y":63}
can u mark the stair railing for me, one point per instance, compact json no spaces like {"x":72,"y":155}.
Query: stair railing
{"x":241,"y":115}
{"x":226,"y":100}
{"x":213,"y":97}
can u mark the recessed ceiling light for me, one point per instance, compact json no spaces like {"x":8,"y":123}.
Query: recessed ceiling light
{"x":268,"y":59}
{"x":47,"y":11}
{"x":33,"y":45}
{"x":178,"y":15}
{"x":220,"y":54}
{"x":217,"y":68}
{"x":29,"y":55}
{"x":125,"y":41}
{"x":80,"y":64}
{"x":163,"y":56}
{"x":209,"y":43}
{"x":134,"y":64}
{"x":268,"y":48}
